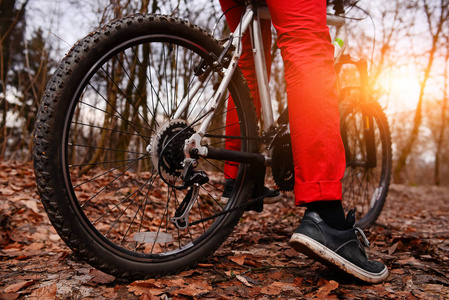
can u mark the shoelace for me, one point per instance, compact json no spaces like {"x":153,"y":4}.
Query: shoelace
{"x":362,"y":234}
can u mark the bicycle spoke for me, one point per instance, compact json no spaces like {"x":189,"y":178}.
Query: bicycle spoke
{"x":101,"y":163}
{"x":108,"y":129}
{"x":164,"y":216}
{"x":96,"y":177}
{"x":125,"y":119}
{"x":115,"y":116}
{"x":148,"y":88}
{"x":111,"y":152}
{"x":108,"y":149}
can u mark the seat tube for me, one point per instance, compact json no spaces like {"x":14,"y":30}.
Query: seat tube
{"x":261,"y":69}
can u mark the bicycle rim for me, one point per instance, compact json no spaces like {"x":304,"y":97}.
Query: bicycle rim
{"x":120,"y":116}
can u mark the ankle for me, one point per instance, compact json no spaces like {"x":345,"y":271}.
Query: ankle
{"x":330,"y":211}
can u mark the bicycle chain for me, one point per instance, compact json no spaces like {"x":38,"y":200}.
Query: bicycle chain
{"x":244,"y":205}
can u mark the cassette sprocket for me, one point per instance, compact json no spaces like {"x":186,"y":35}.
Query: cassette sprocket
{"x":167,"y":150}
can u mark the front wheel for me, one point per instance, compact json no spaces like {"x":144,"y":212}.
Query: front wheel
{"x":366,"y":138}
{"x":109,"y":142}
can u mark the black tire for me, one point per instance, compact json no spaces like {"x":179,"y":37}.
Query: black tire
{"x":364,"y":187}
{"x":102,"y":109}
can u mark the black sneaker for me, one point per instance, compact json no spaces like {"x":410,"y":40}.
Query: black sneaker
{"x":334,"y":248}
{"x":274,"y":196}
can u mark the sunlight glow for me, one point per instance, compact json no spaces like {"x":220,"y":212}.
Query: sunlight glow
{"x":402,"y":88}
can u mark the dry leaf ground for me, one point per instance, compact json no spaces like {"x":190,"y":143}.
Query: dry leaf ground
{"x":256,"y":262}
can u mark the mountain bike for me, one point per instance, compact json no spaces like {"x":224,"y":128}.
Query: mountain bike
{"x":129,"y":143}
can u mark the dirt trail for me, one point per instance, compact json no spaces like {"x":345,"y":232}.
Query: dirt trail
{"x":411,"y":237}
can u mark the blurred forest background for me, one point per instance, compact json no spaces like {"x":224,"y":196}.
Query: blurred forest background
{"x":406,"y":42}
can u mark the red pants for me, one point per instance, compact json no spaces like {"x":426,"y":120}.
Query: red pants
{"x":304,"y":41}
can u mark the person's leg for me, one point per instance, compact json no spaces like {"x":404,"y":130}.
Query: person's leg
{"x":246,"y":65}
{"x":318,"y":151}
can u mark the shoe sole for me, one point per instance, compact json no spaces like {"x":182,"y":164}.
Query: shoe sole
{"x":321,"y":253}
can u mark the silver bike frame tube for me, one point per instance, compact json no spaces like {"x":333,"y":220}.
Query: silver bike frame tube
{"x":249,"y":18}
{"x":237,"y":42}
{"x":184,"y":104}
{"x":259,"y":58}
{"x":261,"y":68}
{"x":195,"y":140}
{"x":341,"y":35}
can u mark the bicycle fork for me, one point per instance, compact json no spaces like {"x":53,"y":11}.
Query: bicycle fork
{"x":367,"y":116}
{"x":368,"y":119}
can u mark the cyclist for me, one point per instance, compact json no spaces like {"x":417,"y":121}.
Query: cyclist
{"x":318,"y":153}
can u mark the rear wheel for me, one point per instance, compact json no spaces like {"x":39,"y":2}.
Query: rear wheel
{"x":109,"y":145}
{"x":368,"y":158}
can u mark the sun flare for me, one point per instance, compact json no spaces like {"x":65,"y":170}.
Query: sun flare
{"x":402,"y":89}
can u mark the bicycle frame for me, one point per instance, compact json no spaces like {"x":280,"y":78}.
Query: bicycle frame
{"x":251,"y":21}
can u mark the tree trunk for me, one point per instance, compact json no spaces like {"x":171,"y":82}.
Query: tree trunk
{"x":435,"y":30}
{"x":440,"y":139}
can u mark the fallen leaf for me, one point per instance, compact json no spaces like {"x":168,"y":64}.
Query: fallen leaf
{"x":322,"y":282}
{"x":100,"y":277}
{"x":392,"y":249}
{"x":411,"y":261}
{"x":397,"y":271}
{"x":140,"y":290}
{"x":44,"y":293}
{"x":31,"y":204}
{"x":290,"y":252}
{"x":187,"y":273}
{"x":7,"y":192}
{"x":148,"y":296}
{"x":194,"y":290}
{"x":243,"y":280}
{"x":253,"y":263}
{"x":149,"y":283}
{"x":324,"y":291}
{"x":276,"y":287}
{"x":18,"y":286}
{"x":15,"y":187}
{"x":174,"y":282}
{"x":34,"y":247}
{"x":205,"y":265}
{"x":277,"y":275}
{"x":240,"y":259}
{"x":110,"y":293}
{"x":298,"y":281}
{"x":9,"y":296}
{"x":137,"y":290}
